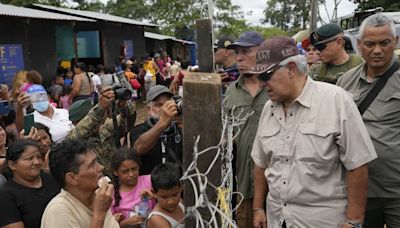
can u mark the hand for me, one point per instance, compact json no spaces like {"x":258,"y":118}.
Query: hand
{"x":169,"y":112}
{"x":347,"y":225}
{"x":259,"y":219}
{"x":103,"y":198}
{"x":107,"y":95}
{"x":147,"y":193}
{"x":119,"y":217}
{"x":32,"y":134}
{"x":134,"y":220}
{"x":23,"y":100}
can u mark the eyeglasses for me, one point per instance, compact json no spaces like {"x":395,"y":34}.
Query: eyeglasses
{"x":266,"y":76}
{"x":322,"y":46}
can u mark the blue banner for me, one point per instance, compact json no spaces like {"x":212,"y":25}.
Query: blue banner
{"x":11,"y":61}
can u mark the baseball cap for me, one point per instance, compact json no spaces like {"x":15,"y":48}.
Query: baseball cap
{"x":156,"y":91}
{"x":325,"y":33}
{"x":79,"y":109}
{"x":37,"y":93}
{"x":273,"y":51}
{"x":128,"y":62}
{"x":223,"y":42}
{"x":247,"y":39}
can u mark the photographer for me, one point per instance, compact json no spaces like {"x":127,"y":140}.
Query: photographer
{"x":158,"y":139}
{"x":92,"y":124}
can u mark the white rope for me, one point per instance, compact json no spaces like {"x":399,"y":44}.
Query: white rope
{"x":198,"y":181}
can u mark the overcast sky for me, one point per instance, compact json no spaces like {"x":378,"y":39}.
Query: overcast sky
{"x":257,"y":7}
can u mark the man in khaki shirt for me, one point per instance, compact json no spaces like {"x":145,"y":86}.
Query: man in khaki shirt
{"x":74,"y":166}
{"x":311,"y":149}
{"x":377,"y":42}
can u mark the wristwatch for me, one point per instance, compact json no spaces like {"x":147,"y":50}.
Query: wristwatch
{"x":355,"y":223}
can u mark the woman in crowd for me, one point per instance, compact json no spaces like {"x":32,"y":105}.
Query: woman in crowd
{"x":3,"y":150}
{"x":24,"y":197}
{"x":82,"y":86}
{"x":129,"y":187}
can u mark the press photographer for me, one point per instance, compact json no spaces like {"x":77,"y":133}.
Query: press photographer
{"x":159,"y":138}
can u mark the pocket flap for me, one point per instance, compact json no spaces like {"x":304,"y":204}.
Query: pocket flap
{"x":322,"y":130}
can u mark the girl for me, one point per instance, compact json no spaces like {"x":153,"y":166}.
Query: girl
{"x":129,"y":187}
{"x":63,"y":103}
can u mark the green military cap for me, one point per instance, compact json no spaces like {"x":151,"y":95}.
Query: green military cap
{"x":325,"y":33}
{"x":79,"y":109}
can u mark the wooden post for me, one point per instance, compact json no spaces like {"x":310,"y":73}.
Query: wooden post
{"x":202,"y":117}
{"x":205,"y":45}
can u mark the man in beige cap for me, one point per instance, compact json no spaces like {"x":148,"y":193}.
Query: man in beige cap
{"x":311,"y":149}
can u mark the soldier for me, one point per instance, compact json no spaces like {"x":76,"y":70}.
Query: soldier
{"x":329,"y":41}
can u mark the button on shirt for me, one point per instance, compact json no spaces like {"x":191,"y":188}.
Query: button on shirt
{"x":306,"y":154}
{"x":382,"y":120}
{"x":59,"y":125}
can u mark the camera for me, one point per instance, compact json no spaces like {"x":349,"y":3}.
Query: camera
{"x":121,"y":93}
{"x":179,"y":103}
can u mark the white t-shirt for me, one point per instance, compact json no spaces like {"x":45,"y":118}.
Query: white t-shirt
{"x":59,"y":125}
{"x":96,"y":82}
{"x":64,"y":210}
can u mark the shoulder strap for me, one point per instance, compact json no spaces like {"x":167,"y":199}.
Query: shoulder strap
{"x":377,"y":87}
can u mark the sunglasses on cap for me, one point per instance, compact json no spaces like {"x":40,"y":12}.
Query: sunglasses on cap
{"x":266,"y":76}
{"x":322,"y":46}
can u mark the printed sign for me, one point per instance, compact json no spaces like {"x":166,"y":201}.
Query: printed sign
{"x":11,"y":61}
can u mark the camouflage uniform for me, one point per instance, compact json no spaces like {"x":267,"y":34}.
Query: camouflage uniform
{"x":330,"y":73}
{"x":101,"y":140}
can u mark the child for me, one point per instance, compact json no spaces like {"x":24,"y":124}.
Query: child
{"x":129,"y":187}
{"x":63,"y":102}
{"x":167,"y":188}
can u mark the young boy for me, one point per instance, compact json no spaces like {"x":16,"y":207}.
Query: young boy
{"x":167,"y":188}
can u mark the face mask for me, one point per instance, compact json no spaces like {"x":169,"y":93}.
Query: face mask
{"x":41,"y":106}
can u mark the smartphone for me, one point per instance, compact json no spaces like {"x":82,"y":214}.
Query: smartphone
{"x":29,"y":121}
{"x":4,"y":107}
{"x":233,"y":75}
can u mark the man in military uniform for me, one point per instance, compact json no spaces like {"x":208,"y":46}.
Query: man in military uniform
{"x":93,"y":125}
{"x":335,"y":61}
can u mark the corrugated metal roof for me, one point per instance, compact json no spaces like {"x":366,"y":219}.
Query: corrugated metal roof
{"x":15,"y":11}
{"x":95,"y":15}
{"x":157,"y":36}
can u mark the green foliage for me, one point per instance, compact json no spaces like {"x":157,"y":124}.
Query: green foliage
{"x":28,"y":2}
{"x":388,"y":5}
{"x":286,"y":14}
{"x":89,"y":5}
{"x":134,"y":9}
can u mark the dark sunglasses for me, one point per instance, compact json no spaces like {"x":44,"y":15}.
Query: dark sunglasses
{"x":322,"y":46}
{"x":268,"y":74}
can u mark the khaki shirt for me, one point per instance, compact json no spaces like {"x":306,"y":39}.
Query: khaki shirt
{"x":382,"y":120}
{"x":306,"y":155}
{"x":64,"y":210}
{"x":239,"y":102}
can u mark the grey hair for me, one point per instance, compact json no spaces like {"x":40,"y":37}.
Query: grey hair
{"x":377,"y":20}
{"x":299,"y":60}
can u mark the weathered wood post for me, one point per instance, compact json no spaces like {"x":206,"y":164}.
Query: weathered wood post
{"x":205,"y":45}
{"x":202,"y":117}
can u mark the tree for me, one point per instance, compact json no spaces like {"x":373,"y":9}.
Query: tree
{"x":28,"y":2}
{"x":387,"y":5}
{"x":89,"y":5}
{"x":287,"y":13}
{"x":134,"y":9}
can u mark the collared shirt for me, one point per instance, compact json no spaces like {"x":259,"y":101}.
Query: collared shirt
{"x":306,"y":154}
{"x":240,"y":101}
{"x":59,"y":125}
{"x":382,"y":120}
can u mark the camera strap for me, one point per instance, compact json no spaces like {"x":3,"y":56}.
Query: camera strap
{"x":373,"y":93}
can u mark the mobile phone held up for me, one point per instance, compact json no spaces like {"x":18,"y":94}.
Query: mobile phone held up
{"x":28,"y":122}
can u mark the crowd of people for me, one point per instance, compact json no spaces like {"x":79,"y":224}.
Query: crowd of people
{"x":319,"y":150}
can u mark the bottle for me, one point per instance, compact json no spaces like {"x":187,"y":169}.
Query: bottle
{"x":143,"y":207}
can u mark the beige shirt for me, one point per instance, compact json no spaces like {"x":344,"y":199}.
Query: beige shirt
{"x":382,"y":120}
{"x":64,"y":210}
{"x":306,"y":155}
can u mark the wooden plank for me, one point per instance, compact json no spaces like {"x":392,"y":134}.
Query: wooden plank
{"x":205,"y":45}
{"x":202,"y":117}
